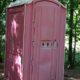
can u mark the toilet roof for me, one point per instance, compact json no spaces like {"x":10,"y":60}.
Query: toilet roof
{"x":21,"y":2}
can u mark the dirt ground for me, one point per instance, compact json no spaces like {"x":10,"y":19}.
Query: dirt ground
{"x":72,"y":75}
{"x":69,"y":74}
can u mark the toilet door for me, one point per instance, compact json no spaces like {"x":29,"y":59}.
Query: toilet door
{"x":43,"y":56}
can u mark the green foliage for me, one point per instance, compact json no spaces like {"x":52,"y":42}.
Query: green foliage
{"x":3,"y":4}
{"x":72,"y":27}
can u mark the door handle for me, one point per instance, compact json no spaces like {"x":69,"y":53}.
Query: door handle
{"x":55,"y":44}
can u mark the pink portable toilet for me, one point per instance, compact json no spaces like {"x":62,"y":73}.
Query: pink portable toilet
{"x":35,"y":41}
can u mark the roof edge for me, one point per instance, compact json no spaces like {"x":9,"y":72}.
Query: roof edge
{"x":54,"y":1}
{"x":14,"y":4}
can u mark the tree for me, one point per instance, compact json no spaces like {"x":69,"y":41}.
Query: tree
{"x":72,"y":28}
{"x":70,"y":54}
{"x":3,"y":4}
{"x":76,"y":32}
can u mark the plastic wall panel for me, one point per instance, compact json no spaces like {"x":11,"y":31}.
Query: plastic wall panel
{"x":27,"y":41}
{"x":14,"y":43}
{"x":62,"y":35}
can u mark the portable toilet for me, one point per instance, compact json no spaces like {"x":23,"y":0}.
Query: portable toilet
{"x":35,"y":41}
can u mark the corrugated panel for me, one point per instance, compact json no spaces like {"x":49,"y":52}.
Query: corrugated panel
{"x":27,"y":42}
{"x":14,"y":43}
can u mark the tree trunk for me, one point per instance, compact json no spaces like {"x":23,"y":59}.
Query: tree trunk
{"x":70,"y":54}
